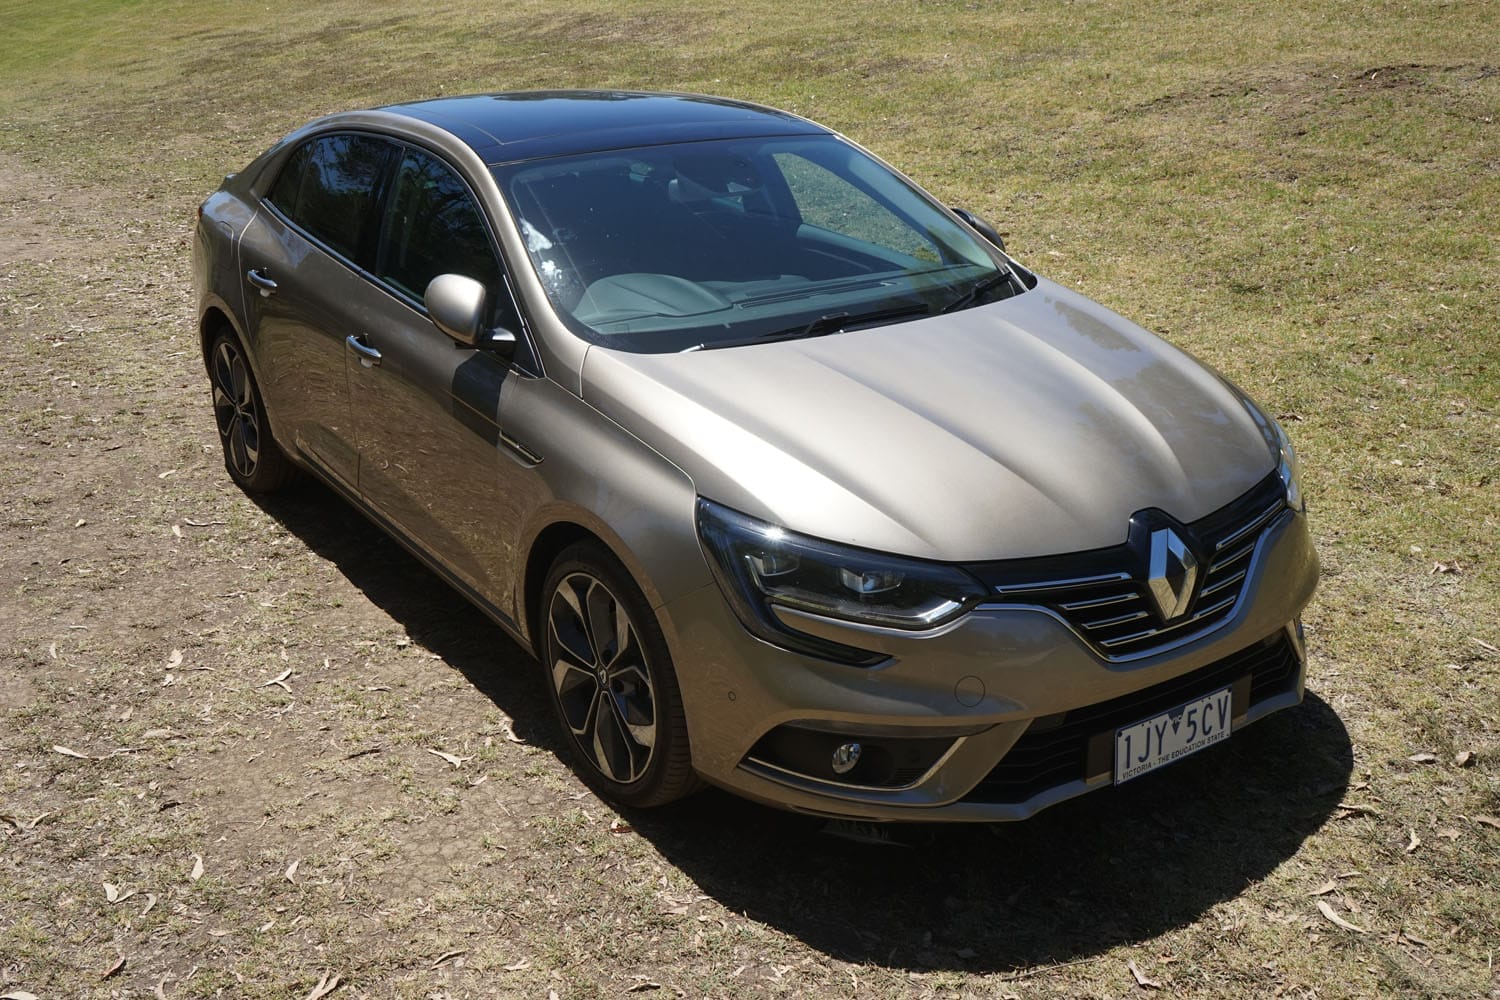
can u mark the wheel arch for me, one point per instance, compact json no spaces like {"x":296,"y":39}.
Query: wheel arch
{"x":566,"y":527}
{"x":217,"y":319}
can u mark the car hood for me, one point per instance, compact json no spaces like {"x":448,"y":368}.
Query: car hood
{"x":1032,"y":426}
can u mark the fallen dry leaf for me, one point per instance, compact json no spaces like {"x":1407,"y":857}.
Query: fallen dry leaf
{"x":618,"y":825}
{"x":520,"y":966}
{"x":1355,"y":807}
{"x":175,"y":660}
{"x":18,"y":995}
{"x":1485,"y":645}
{"x":291,"y":871}
{"x":325,"y":986}
{"x":1423,"y":758}
{"x":161,"y":987}
{"x":197,"y":871}
{"x":24,"y":824}
{"x":1454,"y":567}
{"x":1414,"y":842}
{"x":1325,"y":888}
{"x":1411,"y":938}
{"x":1448,"y":832}
{"x":1333,"y":917}
{"x":113,"y":969}
{"x":448,"y":956}
{"x":69,"y":752}
{"x":453,"y":759}
{"x":1488,"y":821}
{"x":643,"y":986}
{"x":150,"y":903}
{"x":176,"y":531}
{"x":280,"y":681}
{"x":1463,"y":758}
{"x":1141,"y":978}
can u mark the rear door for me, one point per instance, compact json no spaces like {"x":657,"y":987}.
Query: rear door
{"x":305,"y":260}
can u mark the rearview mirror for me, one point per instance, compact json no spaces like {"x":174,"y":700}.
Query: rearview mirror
{"x":980,"y":226}
{"x":457,"y":306}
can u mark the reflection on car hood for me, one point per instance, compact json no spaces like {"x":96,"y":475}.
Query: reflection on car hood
{"x":1032,"y":426}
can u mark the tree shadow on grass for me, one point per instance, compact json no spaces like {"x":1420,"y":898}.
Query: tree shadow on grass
{"x":1114,"y":867}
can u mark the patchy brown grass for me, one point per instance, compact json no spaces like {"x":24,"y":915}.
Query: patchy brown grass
{"x":1312,"y":208}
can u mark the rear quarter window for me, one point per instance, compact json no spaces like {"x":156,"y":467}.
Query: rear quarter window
{"x":329,"y":189}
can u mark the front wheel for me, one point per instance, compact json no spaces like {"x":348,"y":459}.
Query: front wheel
{"x":611,"y":682}
{"x":254,"y":460}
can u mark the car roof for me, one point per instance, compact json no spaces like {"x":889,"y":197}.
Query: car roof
{"x":502,"y":128}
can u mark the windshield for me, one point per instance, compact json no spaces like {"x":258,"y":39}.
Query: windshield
{"x":704,"y":244}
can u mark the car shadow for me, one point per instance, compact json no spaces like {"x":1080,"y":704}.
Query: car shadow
{"x":1115,"y":867}
{"x":435,"y":616}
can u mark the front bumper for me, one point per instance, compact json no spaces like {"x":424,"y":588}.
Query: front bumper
{"x":1012,"y":710}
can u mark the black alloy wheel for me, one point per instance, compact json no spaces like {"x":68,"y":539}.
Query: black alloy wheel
{"x":611,"y":682}
{"x":251,"y":455}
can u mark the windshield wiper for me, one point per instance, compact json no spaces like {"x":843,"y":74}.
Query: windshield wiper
{"x":828,"y":323}
{"x":985,"y":284}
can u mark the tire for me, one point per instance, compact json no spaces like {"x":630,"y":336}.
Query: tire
{"x":610,"y":681}
{"x":254,"y":460}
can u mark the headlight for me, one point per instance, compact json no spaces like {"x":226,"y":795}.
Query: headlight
{"x":1281,"y":447}
{"x":760,"y":566}
{"x":1287,"y":467}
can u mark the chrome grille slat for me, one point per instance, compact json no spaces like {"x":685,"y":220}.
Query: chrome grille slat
{"x":1049,"y":586}
{"x":1100,"y":602}
{"x":1231,"y":558}
{"x":1111,"y":622}
{"x":1254,"y":526}
{"x":1220,"y":585}
{"x":1223,"y":605}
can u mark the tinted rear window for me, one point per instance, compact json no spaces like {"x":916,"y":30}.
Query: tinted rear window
{"x":328,"y":188}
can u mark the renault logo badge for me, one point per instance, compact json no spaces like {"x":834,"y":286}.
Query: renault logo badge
{"x":1173,"y":573}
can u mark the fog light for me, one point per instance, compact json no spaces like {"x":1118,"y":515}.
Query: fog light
{"x":845,"y":757}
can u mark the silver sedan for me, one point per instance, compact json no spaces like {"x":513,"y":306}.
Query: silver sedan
{"x":792,"y":479}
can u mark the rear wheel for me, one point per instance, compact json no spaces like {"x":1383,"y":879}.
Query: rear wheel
{"x":254,"y":460}
{"x":611,"y":682}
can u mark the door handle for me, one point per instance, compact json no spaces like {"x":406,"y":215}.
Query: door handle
{"x":368,"y":356}
{"x":261,"y":280}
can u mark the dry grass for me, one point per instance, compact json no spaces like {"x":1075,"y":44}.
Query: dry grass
{"x":1306,"y":196}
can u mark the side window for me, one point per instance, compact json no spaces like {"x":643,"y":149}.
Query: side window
{"x":433,"y":227}
{"x":288,"y":184}
{"x":829,"y":202}
{"x":328,"y":187}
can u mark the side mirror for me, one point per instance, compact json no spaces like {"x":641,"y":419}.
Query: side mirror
{"x":979,"y":226}
{"x":457,"y":306}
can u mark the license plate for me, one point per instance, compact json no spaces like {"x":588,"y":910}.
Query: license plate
{"x":1174,"y":734}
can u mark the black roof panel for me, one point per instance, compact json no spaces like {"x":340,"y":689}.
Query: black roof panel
{"x":520,"y":126}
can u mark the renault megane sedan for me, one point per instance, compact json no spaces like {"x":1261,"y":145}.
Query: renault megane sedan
{"x":790,"y":477}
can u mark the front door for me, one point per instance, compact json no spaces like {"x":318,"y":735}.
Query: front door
{"x":432,"y":457}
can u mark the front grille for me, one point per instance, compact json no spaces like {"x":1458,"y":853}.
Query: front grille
{"x":1056,"y":749}
{"x":1101,"y":595}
